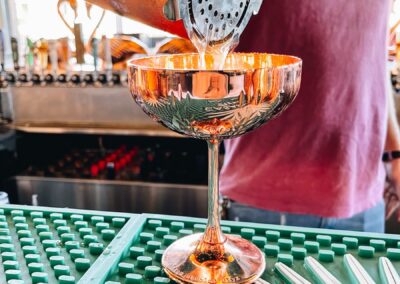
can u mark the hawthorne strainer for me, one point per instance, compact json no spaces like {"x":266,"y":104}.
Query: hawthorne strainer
{"x":213,"y":21}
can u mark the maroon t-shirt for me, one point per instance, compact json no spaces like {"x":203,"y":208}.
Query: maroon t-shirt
{"x":323,"y":154}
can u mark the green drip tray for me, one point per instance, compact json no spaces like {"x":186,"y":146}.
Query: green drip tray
{"x":52,"y":245}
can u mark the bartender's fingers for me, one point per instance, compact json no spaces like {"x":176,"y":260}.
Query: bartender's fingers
{"x":392,"y":205}
{"x":395,"y":175}
{"x":398,"y":213}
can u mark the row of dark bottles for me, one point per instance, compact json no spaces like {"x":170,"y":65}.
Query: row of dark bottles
{"x":48,"y":62}
{"x":78,"y":79}
{"x":134,"y":163}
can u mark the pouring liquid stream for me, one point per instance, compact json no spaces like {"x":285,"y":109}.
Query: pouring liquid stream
{"x":212,"y":53}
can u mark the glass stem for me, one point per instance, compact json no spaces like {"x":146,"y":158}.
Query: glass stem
{"x":213,"y":232}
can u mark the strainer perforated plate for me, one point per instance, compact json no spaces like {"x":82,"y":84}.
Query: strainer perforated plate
{"x":217,"y":21}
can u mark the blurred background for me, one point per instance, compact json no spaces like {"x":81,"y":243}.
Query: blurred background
{"x":70,"y":133}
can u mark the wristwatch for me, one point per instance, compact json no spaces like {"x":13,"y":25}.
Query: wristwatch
{"x":391,"y":155}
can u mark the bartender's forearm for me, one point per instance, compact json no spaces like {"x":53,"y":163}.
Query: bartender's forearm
{"x":145,"y":11}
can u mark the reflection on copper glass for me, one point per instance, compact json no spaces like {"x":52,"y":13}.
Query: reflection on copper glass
{"x":214,"y":105}
{"x":208,"y":85}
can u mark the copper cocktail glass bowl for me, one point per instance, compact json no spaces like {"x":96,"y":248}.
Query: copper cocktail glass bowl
{"x":213,"y":105}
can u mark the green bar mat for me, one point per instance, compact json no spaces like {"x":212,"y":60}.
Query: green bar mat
{"x":140,"y":261}
{"x":54,"y":245}
{"x":51,"y":245}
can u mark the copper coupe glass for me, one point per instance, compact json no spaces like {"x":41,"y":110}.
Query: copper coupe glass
{"x":214,"y":105}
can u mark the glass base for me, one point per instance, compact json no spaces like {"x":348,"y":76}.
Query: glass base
{"x":236,"y":260}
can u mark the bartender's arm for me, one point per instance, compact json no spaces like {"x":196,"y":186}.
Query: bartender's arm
{"x":393,"y":139}
{"x":393,"y":130}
